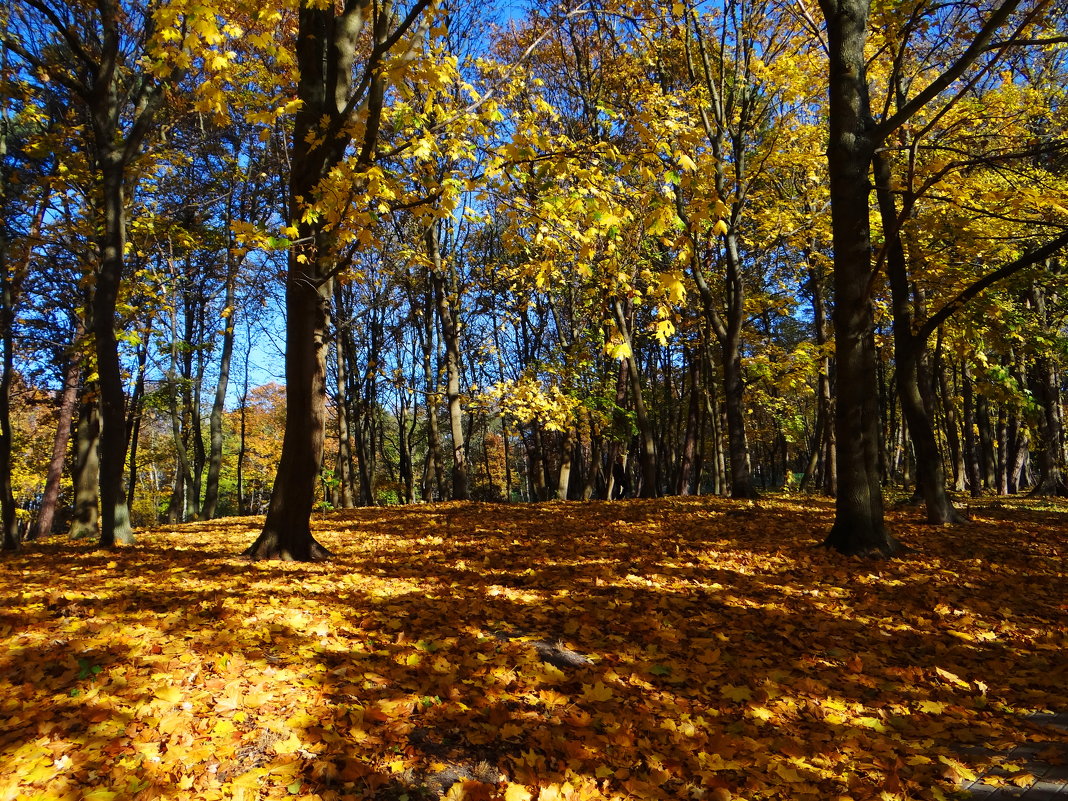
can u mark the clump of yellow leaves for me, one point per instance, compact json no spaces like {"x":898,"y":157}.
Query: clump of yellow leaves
{"x":682,"y":648}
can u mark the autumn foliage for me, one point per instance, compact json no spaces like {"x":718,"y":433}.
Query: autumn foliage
{"x":682,"y":648}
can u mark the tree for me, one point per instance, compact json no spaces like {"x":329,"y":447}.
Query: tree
{"x":342,"y":97}
{"x":855,"y":136}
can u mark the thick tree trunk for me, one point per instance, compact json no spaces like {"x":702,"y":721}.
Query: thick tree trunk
{"x":114,"y":515}
{"x":286,"y":532}
{"x":86,"y":520}
{"x":859,"y":526}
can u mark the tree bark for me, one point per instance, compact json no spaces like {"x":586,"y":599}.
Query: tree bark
{"x":685,"y":482}
{"x":646,"y":438}
{"x":859,"y":526}
{"x":910,"y":363}
{"x":86,"y":520}
{"x":211,"y":490}
{"x":65,"y":417}
{"x":450,"y":335}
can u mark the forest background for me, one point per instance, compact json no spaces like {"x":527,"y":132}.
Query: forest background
{"x":731,"y":247}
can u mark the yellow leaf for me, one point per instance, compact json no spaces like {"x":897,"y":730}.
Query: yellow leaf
{"x":517,"y":792}
{"x":596,"y":691}
{"x":171,"y":694}
{"x":720,"y":228}
{"x":937,"y":707}
{"x":288,"y":745}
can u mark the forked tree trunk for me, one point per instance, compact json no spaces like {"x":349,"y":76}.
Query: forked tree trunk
{"x":909,"y":350}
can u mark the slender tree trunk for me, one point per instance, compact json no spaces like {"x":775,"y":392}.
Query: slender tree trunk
{"x":450,"y":335}
{"x":433,"y":483}
{"x":218,"y":406}
{"x":67,"y":402}
{"x":684,"y":484}
{"x":646,"y":438}
{"x":8,"y":518}
{"x":910,"y":373}
{"x":341,"y":403}
{"x":133,"y":419}
{"x":971,"y":449}
{"x":567,"y":448}
{"x":953,"y":434}
{"x":859,"y":526}
{"x":1045,"y":388}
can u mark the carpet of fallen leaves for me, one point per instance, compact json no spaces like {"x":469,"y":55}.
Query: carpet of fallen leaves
{"x":680,"y":648}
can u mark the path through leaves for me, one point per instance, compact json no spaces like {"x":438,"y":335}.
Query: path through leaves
{"x":680,"y":648}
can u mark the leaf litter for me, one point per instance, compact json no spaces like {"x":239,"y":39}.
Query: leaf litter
{"x":679,"y":648}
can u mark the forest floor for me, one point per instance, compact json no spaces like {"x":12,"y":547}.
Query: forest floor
{"x":680,"y":648}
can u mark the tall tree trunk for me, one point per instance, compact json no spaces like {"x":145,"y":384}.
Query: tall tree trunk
{"x":450,"y":335}
{"x":8,"y":518}
{"x":685,"y":482}
{"x":114,"y":515}
{"x":328,"y":43}
{"x":646,"y":438}
{"x":859,"y":526}
{"x":341,"y":403}
{"x":1045,"y":387}
{"x":971,"y":448}
{"x":433,"y":484}
{"x":68,"y":400}
{"x":86,"y":520}
{"x":133,"y":419}
{"x":218,"y":406}
{"x":949,"y":406}
{"x":910,"y":360}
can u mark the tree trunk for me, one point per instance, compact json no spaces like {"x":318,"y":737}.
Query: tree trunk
{"x":8,"y":518}
{"x":647,"y":451}
{"x":450,"y":335}
{"x":949,"y":405}
{"x":1045,"y":388}
{"x":114,"y":515}
{"x":211,"y":491}
{"x":859,"y":526}
{"x":684,"y":484}
{"x":909,"y":360}
{"x":86,"y":520}
{"x":971,"y":449}
{"x":67,"y":402}
{"x":133,"y":418}
{"x":341,"y":403}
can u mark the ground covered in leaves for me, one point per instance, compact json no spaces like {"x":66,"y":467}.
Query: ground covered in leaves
{"x":680,"y":648}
